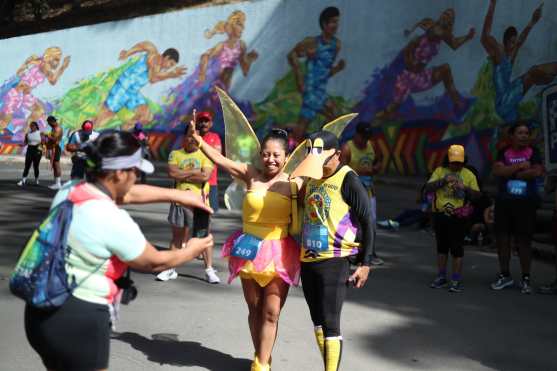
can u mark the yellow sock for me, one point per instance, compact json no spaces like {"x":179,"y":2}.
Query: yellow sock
{"x":333,"y":352}
{"x":320,"y":338}
{"x":256,"y":366}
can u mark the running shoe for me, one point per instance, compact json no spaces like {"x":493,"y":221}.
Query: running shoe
{"x":169,"y":274}
{"x":439,"y":282}
{"x":375,"y":260}
{"x":502,"y":282}
{"x":525,"y":286}
{"x":456,"y":286}
{"x":22,"y":182}
{"x":55,"y":186}
{"x":549,"y":289}
{"x":37,"y":181}
{"x":211,"y":275}
{"x":389,"y":224}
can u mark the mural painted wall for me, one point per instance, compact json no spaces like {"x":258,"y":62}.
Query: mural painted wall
{"x":424,"y":74}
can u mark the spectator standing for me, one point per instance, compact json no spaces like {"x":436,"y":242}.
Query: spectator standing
{"x":190,"y":169}
{"x":360,"y":155}
{"x":34,"y":153}
{"x":517,"y":167}
{"x":78,"y":140}
{"x":454,"y":185}
{"x":143,"y":139}
{"x":204,"y":123}
{"x":54,"y":150}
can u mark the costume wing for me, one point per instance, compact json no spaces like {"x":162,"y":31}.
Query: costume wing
{"x":336,"y":127}
{"x":241,"y":145}
{"x":240,"y":140}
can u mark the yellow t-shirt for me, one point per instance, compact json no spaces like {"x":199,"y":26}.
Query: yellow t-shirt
{"x":189,"y":161}
{"x":449,"y":198}
{"x":361,"y":159}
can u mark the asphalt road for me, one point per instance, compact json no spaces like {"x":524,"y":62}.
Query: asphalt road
{"x":395,"y":323}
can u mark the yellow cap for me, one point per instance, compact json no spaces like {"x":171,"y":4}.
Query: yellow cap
{"x":456,"y":153}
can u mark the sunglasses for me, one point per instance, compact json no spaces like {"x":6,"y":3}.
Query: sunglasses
{"x":280,"y":132}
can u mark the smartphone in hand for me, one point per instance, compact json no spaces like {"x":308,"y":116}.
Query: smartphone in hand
{"x":200,"y":223}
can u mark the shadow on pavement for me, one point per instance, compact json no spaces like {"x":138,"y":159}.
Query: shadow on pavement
{"x":167,"y":349}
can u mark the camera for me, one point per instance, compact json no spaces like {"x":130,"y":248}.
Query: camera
{"x":200,"y":223}
{"x":129,"y":292}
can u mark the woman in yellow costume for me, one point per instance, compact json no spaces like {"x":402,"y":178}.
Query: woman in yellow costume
{"x":263,"y":254}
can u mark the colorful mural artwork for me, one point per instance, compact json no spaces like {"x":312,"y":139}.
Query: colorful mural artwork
{"x":422,"y":79}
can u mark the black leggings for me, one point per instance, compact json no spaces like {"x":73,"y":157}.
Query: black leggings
{"x":324,"y":283}
{"x":33,"y":156}
{"x":449,"y":234}
{"x":75,"y":336}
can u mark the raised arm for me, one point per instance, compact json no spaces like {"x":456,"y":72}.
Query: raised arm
{"x":237,"y":170}
{"x":142,"y":47}
{"x":488,"y":42}
{"x":28,"y":62}
{"x":536,"y":16}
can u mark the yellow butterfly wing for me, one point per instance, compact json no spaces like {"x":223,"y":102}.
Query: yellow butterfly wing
{"x":336,"y":127}
{"x":240,"y":140}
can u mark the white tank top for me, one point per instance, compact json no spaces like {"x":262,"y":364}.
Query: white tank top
{"x":34,"y":138}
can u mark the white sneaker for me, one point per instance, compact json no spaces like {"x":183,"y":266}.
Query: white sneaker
{"x":211,"y":275}
{"x":21,"y":183}
{"x":55,"y":186}
{"x":169,"y":274}
{"x":37,"y":181}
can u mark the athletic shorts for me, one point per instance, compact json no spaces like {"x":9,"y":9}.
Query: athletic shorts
{"x":57,"y":153}
{"x":75,"y":336}
{"x":449,"y":234}
{"x":515,"y":216}
{"x":179,"y":216}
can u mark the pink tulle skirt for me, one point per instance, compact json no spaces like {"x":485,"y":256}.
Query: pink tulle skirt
{"x":275,"y":258}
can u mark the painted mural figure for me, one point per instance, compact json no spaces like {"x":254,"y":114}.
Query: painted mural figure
{"x":18,"y":100}
{"x":416,"y":76}
{"x":216,"y":67}
{"x":320,"y":53}
{"x":151,"y":67}
{"x":509,"y":93}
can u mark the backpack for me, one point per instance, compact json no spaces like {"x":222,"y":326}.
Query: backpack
{"x":40,"y":276}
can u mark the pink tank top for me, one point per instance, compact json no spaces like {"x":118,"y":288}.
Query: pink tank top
{"x":229,"y":56}
{"x":426,"y":50}
{"x":33,"y":76}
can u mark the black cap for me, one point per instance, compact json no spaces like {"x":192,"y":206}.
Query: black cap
{"x":330,"y":141}
{"x":51,"y":119}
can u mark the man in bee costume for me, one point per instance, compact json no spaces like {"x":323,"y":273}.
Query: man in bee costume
{"x":337,"y":232}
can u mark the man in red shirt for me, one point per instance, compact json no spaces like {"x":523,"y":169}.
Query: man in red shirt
{"x":204,"y":123}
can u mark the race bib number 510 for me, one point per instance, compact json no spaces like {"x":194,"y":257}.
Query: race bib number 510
{"x":316,"y":237}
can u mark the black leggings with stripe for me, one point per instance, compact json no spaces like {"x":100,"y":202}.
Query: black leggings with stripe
{"x":324,"y":283}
